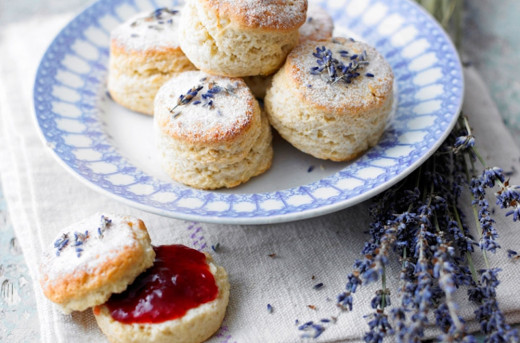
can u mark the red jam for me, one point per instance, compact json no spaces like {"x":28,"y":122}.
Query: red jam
{"x":179,"y":280}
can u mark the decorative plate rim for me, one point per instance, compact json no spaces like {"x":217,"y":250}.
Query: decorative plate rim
{"x":319,"y":208}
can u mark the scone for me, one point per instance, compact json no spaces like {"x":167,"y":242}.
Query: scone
{"x":240,"y":37}
{"x":181,"y":299}
{"x":318,"y":26}
{"x":331,"y":99}
{"x":94,"y":258}
{"x":210,"y":131}
{"x":144,"y":54}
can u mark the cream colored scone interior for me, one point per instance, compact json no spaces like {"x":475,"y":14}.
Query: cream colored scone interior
{"x":240,"y":37}
{"x":94,"y":258}
{"x":216,"y":136}
{"x":334,"y":116}
{"x":318,"y":25}
{"x":144,"y":54}
{"x":197,"y":325}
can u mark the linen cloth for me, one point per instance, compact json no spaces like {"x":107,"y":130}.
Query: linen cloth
{"x":42,"y":198}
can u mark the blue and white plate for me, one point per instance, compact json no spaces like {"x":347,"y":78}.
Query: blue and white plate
{"x":111,"y":149}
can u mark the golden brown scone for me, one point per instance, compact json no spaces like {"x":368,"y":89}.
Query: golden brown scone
{"x":144,"y":54}
{"x":326,"y":106}
{"x":240,"y":37}
{"x":94,"y":258}
{"x":196,"y":325}
{"x":210,"y":131}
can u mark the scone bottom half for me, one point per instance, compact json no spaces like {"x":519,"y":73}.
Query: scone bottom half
{"x":210,"y":131}
{"x":93,"y":258}
{"x":332,"y":98}
{"x":181,"y":298}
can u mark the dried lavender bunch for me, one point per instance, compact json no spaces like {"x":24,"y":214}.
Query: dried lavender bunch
{"x":421,"y":222}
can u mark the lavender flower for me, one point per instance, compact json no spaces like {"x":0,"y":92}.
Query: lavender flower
{"x":318,"y":286}
{"x":445,"y":271}
{"x":492,"y":320}
{"x":311,"y":329}
{"x":206,"y":98}
{"x":159,"y":13}
{"x":157,"y":19}
{"x":337,"y":70}
{"x":103,"y":225}
{"x":491,"y":175}
{"x":489,"y":235}
{"x":344,"y":301}
{"x":464,"y":140}
{"x":185,"y":99}
{"x":215,"y":247}
{"x":512,"y":254}
{"x":463,"y":143}
{"x":379,"y":327}
{"x":79,"y":239}
{"x":509,"y":197}
{"x":61,"y":243}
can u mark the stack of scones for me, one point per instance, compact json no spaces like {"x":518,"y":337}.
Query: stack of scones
{"x":200,"y":70}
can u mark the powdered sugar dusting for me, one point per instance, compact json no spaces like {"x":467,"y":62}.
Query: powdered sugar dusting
{"x":154,"y":30}
{"x":364,"y":91}
{"x":278,"y":14}
{"x":318,"y":26}
{"x":218,"y":116}
{"x":98,"y":244}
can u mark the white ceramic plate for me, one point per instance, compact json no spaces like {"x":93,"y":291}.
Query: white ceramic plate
{"x":110,"y":148}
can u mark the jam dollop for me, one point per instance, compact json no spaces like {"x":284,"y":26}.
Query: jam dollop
{"x":179,"y":280}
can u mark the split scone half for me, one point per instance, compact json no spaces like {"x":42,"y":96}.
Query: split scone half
{"x":94,"y":258}
{"x":182,"y":298}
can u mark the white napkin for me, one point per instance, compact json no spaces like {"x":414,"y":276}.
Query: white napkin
{"x":42,"y":198}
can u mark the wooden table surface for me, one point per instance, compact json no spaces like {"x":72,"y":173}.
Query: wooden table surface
{"x":491,"y":43}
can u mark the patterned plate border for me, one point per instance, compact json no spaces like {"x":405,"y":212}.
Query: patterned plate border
{"x":71,"y":81}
